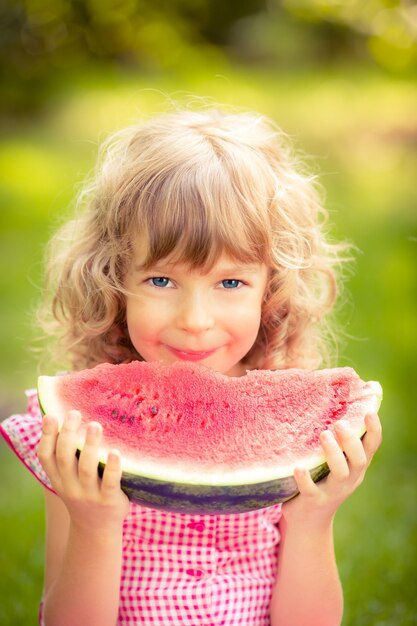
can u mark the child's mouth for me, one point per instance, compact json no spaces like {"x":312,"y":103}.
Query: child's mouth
{"x":191,"y":355}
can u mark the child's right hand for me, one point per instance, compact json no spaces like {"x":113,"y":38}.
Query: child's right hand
{"x":92,"y":503}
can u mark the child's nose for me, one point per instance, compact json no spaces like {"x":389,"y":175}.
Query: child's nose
{"x":195,"y":314}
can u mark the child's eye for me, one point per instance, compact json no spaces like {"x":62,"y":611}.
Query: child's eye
{"x":231,"y":283}
{"x":159,"y":281}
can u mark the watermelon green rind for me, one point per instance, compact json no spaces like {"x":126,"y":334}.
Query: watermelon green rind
{"x":212,"y":499}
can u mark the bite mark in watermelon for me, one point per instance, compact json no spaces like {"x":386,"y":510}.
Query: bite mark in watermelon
{"x":196,"y":441}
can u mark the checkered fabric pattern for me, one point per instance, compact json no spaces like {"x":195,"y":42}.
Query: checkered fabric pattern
{"x":178,"y":569}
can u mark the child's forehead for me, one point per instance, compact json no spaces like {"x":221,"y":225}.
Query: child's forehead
{"x":184,"y":227}
{"x":224,"y":264}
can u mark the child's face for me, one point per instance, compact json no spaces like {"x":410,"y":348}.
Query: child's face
{"x":175,"y":313}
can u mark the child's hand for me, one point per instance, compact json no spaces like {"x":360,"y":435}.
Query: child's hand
{"x":318,"y":502}
{"x":91,"y":502}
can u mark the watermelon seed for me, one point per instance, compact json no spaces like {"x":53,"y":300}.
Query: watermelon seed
{"x":114,"y":413}
{"x":123,"y":417}
{"x":131,"y":419}
{"x":138,"y":402}
{"x":154,"y":410}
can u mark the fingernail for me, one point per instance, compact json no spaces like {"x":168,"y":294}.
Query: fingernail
{"x":342,"y":425}
{"x":327,"y":435}
{"x":94,"y":429}
{"x":114,"y":455}
{"x":48,"y":422}
{"x":300,"y":471}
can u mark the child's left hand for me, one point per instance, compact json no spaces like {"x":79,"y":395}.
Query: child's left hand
{"x":348,"y":458}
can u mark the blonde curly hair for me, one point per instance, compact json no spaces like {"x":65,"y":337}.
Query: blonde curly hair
{"x":196,"y":183}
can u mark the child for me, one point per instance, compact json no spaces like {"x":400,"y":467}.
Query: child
{"x":199,"y":239}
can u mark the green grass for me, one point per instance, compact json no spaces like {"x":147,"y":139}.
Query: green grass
{"x":22,"y":530}
{"x":361,"y":127}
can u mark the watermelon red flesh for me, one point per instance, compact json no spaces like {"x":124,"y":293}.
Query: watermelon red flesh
{"x":189,"y":424}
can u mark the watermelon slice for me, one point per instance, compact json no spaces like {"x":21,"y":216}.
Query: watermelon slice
{"x":196,"y":441}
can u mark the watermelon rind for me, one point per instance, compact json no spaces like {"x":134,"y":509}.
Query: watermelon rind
{"x":194,"y":498}
{"x":172,"y":488}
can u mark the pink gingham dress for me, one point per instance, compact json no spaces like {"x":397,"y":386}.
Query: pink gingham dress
{"x":178,"y":569}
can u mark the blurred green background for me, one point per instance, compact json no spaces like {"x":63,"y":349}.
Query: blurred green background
{"x":340,"y":78}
